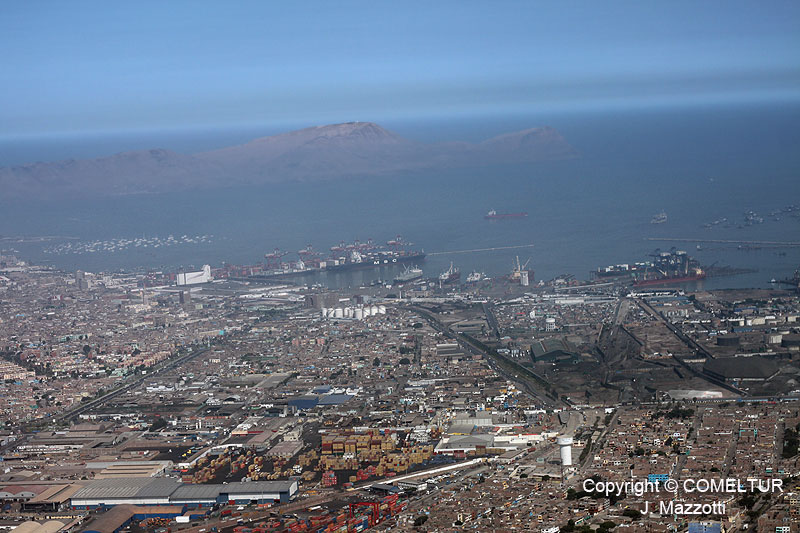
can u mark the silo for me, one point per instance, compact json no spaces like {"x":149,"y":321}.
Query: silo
{"x":382,"y":309}
{"x":373,"y":310}
{"x":348,"y":312}
{"x":565,"y":445}
{"x":331,"y":312}
{"x":358,"y":313}
{"x":324,"y":312}
{"x":339,"y":313}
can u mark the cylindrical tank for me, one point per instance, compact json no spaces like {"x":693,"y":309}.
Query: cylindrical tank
{"x":382,"y":309}
{"x":331,"y":312}
{"x":348,"y":312}
{"x":565,"y":445}
{"x":324,"y":312}
{"x":339,"y":313}
{"x":373,"y":310}
{"x":358,"y":313}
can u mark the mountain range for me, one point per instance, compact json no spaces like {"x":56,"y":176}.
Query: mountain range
{"x":323,"y":152}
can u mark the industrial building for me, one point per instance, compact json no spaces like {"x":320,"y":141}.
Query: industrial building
{"x":193,"y":278}
{"x":163,"y":491}
{"x":735,"y":369}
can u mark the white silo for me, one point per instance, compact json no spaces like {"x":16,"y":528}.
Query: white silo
{"x":348,"y":312}
{"x":324,"y":312}
{"x":373,"y":310}
{"x":358,"y":313}
{"x":523,"y":278}
{"x":331,"y":312}
{"x":565,"y":446}
{"x":339,"y":313}
{"x":382,"y":309}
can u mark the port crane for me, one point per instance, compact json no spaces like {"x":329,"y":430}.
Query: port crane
{"x":274,"y":258}
{"x":518,"y":268}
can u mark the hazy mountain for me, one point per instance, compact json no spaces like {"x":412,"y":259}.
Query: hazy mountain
{"x":323,"y":152}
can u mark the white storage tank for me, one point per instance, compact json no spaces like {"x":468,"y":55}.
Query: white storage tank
{"x":373,"y":310}
{"x":565,"y":446}
{"x":382,"y":309}
{"x":324,"y":312}
{"x":358,"y":313}
{"x":339,"y":313}
{"x":348,"y":312}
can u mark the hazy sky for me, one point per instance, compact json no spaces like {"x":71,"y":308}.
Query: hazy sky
{"x":86,"y":66}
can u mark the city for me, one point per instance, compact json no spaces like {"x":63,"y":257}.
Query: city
{"x":187,"y":402}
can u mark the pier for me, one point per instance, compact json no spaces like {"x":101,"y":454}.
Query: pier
{"x":475,"y":250}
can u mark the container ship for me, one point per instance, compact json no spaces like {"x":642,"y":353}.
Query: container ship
{"x":343,"y":257}
{"x":493,"y":215}
{"x":666,"y":267}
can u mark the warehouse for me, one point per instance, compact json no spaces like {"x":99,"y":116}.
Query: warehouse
{"x":736,"y":369}
{"x":259,"y":492}
{"x":162,"y":491}
{"x":120,"y":491}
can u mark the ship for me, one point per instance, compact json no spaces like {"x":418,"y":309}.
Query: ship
{"x":343,"y":257}
{"x":659,"y":218}
{"x":475,"y":277}
{"x":493,"y":215}
{"x":674,"y":266}
{"x":409,"y":274}
{"x":697,"y":276}
{"x":450,"y":275}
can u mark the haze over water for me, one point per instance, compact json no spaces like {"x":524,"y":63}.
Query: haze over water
{"x":698,"y":164}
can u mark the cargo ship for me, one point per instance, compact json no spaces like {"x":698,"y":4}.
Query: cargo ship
{"x":665,"y":280}
{"x":493,"y":215}
{"x":343,"y":257}
{"x":475,"y":277}
{"x":666,"y":267}
{"x":409,"y":274}
{"x":450,"y":275}
{"x":659,"y":218}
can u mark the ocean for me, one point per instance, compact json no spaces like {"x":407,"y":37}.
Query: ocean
{"x":699,"y":165}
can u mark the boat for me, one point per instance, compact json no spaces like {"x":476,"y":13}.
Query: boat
{"x":666,"y":280}
{"x":659,"y":218}
{"x":450,"y":275}
{"x":493,"y":215}
{"x":475,"y":277}
{"x":409,"y":274}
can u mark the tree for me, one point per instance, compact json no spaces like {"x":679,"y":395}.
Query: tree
{"x":87,"y":349}
{"x":376,"y":362}
{"x":420,"y":520}
{"x":405,"y":361}
{"x":158,"y":423}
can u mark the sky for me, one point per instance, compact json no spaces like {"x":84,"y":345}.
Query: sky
{"x":87,"y":67}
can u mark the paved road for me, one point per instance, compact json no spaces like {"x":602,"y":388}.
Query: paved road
{"x":165,"y":366}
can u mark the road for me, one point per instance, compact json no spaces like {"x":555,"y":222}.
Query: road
{"x":169,"y":364}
